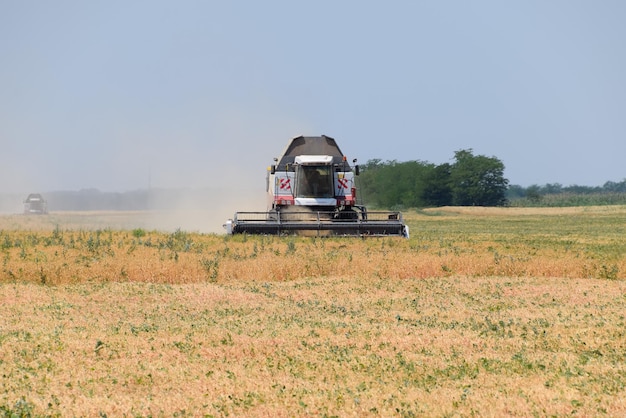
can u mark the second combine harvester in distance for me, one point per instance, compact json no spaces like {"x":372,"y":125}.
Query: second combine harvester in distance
{"x":311,"y":190}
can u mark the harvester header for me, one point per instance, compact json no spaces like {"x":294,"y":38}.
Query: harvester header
{"x":311,"y":189}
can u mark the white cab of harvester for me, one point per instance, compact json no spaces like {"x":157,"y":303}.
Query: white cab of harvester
{"x":314,"y":181}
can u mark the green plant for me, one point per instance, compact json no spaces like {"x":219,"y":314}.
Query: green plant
{"x":21,"y":409}
{"x":211,"y":267}
{"x":139,"y":233}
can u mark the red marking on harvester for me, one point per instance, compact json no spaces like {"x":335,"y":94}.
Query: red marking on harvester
{"x":343,"y":183}
{"x":285,"y":184}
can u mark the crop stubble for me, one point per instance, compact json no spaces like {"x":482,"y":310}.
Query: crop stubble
{"x":489,"y":314}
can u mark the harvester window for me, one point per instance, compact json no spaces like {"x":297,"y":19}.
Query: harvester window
{"x":315,"y":181}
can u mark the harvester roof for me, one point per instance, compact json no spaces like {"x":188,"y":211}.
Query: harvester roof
{"x":310,"y":145}
{"x":34,"y":197}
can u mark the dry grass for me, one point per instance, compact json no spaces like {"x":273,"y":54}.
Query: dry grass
{"x":515,"y":242}
{"x":505,"y":313}
{"x":315,"y":347}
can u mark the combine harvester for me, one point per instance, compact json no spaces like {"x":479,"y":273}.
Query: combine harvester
{"x":35,"y":204}
{"x":311,"y":191}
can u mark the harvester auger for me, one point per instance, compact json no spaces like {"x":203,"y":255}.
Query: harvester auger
{"x":311,"y":191}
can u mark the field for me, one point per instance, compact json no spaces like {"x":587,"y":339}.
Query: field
{"x":482,"y":312}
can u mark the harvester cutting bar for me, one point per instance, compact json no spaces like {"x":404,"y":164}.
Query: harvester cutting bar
{"x":324,"y":223}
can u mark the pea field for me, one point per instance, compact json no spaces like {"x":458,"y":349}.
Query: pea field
{"x":482,"y":312}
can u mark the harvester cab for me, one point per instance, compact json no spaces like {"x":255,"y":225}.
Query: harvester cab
{"x":311,"y":187}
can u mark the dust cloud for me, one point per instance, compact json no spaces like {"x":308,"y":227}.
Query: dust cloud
{"x":190,"y":210}
{"x":190,"y":173}
{"x":205,"y":213}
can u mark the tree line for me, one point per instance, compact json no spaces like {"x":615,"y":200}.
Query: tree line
{"x":537,"y":191}
{"x":471,"y":180}
{"x":555,"y":194}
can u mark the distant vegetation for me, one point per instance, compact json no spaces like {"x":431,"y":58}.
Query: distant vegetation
{"x":556,"y":195}
{"x":472,"y":180}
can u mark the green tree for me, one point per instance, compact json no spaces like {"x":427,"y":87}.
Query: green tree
{"x":471,"y":180}
{"x":611,"y":186}
{"x":477,"y":180}
{"x":533,"y":193}
{"x":393,"y":184}
{"x":437,"y":190}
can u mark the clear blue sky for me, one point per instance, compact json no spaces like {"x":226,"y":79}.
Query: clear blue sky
{"x":122,"y":95}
